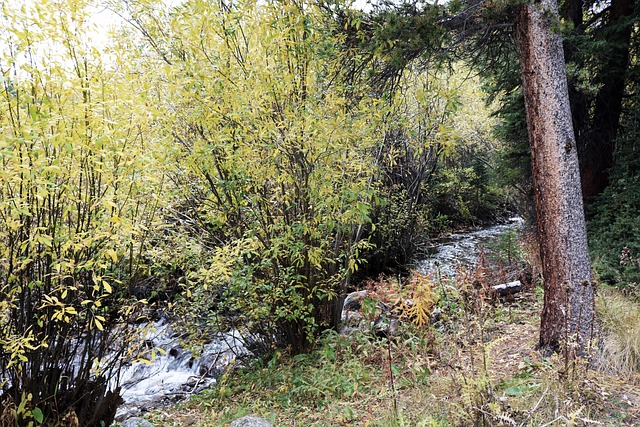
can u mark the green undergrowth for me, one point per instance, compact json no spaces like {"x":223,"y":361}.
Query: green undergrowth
{"x":460,"y":357}
{"x":478,"y":368}
{"x":345,"y":380}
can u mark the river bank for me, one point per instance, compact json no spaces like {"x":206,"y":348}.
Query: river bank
{"x":476,"y":364}
{"x":175,"y":373}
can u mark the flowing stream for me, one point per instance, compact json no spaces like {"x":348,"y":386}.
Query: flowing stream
{"x":462,"y":248}
{"x":175,"y":372}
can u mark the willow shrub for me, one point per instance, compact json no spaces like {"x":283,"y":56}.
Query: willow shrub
{"x":274,"y":170}
{"x":72,"y":212}
{"x":437,"y":162}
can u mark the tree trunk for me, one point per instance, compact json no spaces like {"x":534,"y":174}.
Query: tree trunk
{"x":568,"y":313}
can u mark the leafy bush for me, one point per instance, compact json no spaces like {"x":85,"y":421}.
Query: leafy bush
{"x":271,"y":166}
{"x":437,"y":165}
{"x":72,"y":211}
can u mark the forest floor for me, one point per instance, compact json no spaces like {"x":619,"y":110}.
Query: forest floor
{"x":477,"y":365}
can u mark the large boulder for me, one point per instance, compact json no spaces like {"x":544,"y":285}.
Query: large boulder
{"x":251,"y":422}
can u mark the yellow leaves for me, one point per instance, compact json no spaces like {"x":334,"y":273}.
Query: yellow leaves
{"x":65,"y":312}
{"x":112,"y":255}
{"x":100,"y":282}
{"x":419,"y":307}
{"x":442,"y":111}
{"x":353,"y":265}
{"x":17,"y":346}
{"x":447,"y":138}
{"x":61,"y":311}
{"x":78,"y":180}
{"x":13,"y":224}
{"x":50,"y":300}
{"x":97,"y":322}
{"x":44,"y":239}
{"x":107,"y":287}
{"x":52,"y":169}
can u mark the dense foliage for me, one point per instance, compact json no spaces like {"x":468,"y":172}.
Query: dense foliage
{"x":76,"y":202}
{"x":286,"y":180}
{"x":273,"y":173}
{"x":242,"y":165}
{"x":437,"y":165}
{"x":601,"y":53}
{"x":615,"y":224}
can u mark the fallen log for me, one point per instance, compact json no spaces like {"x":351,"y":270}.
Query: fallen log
{"x":505,"y":289}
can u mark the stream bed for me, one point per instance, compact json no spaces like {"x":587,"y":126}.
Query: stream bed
{"x":462,"y":249}
{"x":175,"y":372}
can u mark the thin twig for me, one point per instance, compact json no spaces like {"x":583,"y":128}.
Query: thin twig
{"x":535,"y":407}
{"x":393,"y":387}
{"x":553,"y":421}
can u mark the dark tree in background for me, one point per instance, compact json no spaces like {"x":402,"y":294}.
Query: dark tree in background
{"x":486,"y":33}
{"x":600,"y":41}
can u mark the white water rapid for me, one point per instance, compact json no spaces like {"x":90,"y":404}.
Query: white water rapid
{"x":174,"y":373}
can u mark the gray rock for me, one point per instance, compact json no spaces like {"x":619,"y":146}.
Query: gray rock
{"x":351,"y":318}
{"x":353,"y":303}
{"x":250,"y":422}
{"x":137,"y":422}
{"x":385,"y":321}
{"x":125,"y":412}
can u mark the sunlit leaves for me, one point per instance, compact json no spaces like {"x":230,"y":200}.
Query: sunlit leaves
{"x":279,"y":166}
{"x":78,"y":190}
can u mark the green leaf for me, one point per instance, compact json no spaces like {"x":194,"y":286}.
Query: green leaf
{"x":38,"y":415}
{"x":516,"y":390}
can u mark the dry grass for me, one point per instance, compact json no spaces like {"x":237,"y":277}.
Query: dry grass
{"x":620,"y":322}
{"x":479,"y":368}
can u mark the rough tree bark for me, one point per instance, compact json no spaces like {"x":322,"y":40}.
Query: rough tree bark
{"x":568,"y":313}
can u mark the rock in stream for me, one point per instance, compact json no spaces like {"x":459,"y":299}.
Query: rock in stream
{"x":174,"y":373}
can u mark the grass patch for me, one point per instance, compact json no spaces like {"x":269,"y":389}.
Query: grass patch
{"x":474,"y":366}
{"x":620,"y":320}
{"x":344,"y":381}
